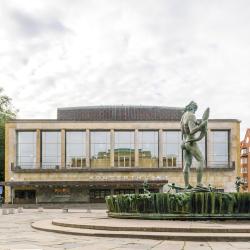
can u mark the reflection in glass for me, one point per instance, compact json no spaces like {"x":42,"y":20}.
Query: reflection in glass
{"x":148,"y":148}
{"x":75,"y":149}
{"x":124,"y":191}
{"x":172,"y":153}
{"x":124,"y":149}
{"x":26,"y":149}
{"x":99,"y":148}
{"x":51,"y":149}
{"x":219,"y":156}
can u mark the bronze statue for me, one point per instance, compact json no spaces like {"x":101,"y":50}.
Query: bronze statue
{"x":190,"y":127}
{"x":238,"y":183}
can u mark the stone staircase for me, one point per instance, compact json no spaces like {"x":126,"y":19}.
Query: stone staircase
{"x":145,"y":229}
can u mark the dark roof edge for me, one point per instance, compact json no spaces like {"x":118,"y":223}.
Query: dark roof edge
{"x":120,"y":106}
{"x":72,"y":121}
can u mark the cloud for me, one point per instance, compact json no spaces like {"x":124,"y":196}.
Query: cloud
{"x":30,"y":26}
{"x":64,"y":53}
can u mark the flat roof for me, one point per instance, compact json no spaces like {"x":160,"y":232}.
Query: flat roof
{"x":60,"y":121}
{"x":120,"y":113}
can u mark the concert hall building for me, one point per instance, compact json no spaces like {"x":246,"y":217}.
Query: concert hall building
{"x":90,"y":152}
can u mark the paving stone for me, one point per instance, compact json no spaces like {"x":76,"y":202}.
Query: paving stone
{"x":169,"y":245}
{"x":240,"y":245}
{"x":196,"y":245}
{"x":16,"y":233}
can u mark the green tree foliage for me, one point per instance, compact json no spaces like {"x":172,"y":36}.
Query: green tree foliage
{"x":7,"y":112}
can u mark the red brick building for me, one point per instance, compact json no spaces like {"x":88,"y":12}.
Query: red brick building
{"x":245,"y":160}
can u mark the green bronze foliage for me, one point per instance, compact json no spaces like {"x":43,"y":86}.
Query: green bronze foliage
{"x":180,"y":203}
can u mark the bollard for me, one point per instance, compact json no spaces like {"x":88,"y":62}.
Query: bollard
{"x":4,"y":211}
{"x":11,"y":210}
{"x":65,"y":210}
{"x":20,"y":210}
{"x":40,"y":209}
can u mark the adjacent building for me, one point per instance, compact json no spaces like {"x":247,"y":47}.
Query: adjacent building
{"x":245,"y":161}
{"x":90,"y":152}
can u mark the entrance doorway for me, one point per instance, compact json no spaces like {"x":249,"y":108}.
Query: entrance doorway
{"x":98,"y":195}
{"x":25,"y":197}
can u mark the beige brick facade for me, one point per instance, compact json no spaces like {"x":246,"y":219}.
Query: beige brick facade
{"x":221,"y":178}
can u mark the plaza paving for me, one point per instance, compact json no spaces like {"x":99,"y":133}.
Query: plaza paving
{"x":16,"y":233}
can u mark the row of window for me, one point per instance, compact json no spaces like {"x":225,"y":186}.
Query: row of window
{"x":124,"y":149}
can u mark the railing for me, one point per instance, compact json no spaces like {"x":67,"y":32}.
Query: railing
{"x":57,"y":166}
{"x":30,"y":166}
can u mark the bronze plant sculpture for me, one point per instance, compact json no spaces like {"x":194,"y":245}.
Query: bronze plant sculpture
{"x":190,"y":127}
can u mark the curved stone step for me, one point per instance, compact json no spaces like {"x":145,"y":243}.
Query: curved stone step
{"x":118,"y":225}
{"x":46,"y":225}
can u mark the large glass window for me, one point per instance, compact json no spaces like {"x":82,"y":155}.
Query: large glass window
{"x":98,"y":195}
{"x":124,"y":149}
{"x":100,"y":148}
{"x":219,"y":156}
{"x":51,"y":149}
{"x":124,"y":191}
{"x":148,"y":148}
{"x":172,"y":153}
{"x":26,"y":149}
{"x":75,"y":149}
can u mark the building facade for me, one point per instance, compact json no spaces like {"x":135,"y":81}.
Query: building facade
{"x":90,"y":152}
{"x":245,"y":161}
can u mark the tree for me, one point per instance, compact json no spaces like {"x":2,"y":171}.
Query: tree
{"x":7,"y":112}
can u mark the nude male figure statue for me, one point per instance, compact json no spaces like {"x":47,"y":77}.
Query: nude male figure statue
{"x":190,"y":127}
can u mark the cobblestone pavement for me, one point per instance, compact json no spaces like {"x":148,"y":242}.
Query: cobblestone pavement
{"x":16,"y":234}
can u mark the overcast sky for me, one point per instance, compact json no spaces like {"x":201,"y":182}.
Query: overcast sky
{"x":150,"y":52}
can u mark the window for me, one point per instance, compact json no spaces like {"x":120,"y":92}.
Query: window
{"x":75,"y":149}
{"x":243,"y":160}
{"x":26,"y":149}
{"x":25,"y":196}
{"x":243,"y":170}
{"x":219,"y":156}
{"x":124,"y":191}
{"x":51,"y":149}
{"x":124,"y":149}
{"x":243,"y":151}
{"x":98,"y":195}
{"x":100,"y":148}
{"x":172,"y":153}
{"x":148,"y":148}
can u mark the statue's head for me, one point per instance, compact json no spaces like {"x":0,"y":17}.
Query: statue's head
{"x":192,"y":106}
